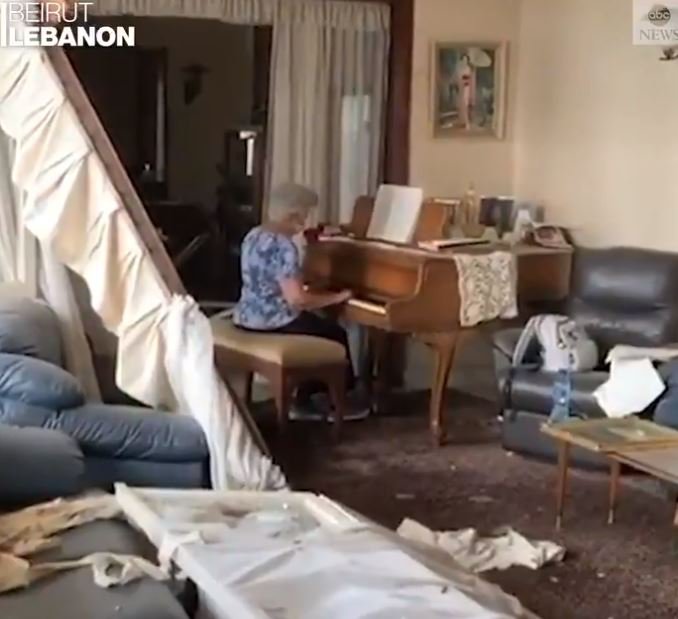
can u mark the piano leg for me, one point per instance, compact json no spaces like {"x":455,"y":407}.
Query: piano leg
{"x":444,"y":345}
{"x":373,"y":370}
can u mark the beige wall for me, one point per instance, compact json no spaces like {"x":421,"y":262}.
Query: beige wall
{"x":596,"y":124}
{"x":196,"y":131}
{"x":445,"y":167}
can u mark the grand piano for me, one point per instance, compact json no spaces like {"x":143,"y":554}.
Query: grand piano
{"x":403,"y":289}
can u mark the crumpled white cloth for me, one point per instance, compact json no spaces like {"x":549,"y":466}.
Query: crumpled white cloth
{"x":634,"y":383}
{"x":189,"y":359}
{"x":481,"y":554}
{"x":109,"y":570}
{"x":31,"y":530}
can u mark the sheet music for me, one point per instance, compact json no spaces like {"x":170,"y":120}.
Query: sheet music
{"x":439,"y":244}
{"x":396,"y":212}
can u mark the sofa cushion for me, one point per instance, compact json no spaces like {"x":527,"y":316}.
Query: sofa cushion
{"x":104,"y":473}
{"x":533,"y":391}
{"x":131,"y":432}
{"x":666,"y":411}
{"x":37,"y":465}
{"x":20,"y":414}
{"x":38,"y":382}
{"x":30,"y":327}
{"x":521,"y":433}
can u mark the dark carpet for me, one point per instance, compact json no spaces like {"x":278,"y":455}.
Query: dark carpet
{"x":387,"y":469}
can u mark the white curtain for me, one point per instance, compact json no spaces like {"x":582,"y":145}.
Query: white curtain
{"x":246,"y":12}
{"x":328,"y":93}
{"x":328,"y":87}
{"x":9,"y":231}
{"x":56,"y":288}
{"x":40,"y":274}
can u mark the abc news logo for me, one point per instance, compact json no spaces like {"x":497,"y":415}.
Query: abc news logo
{"x":659,"y":15}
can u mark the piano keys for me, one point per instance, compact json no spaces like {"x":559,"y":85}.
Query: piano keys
{"x":408,"y":290}
{"x":360,"y":305}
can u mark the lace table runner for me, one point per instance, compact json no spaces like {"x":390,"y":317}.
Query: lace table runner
{"x":487,"y":287}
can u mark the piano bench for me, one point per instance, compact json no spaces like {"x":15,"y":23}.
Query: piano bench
{"x":284,"y":361}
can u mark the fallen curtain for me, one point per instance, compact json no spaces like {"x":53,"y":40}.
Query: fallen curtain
{"x":73,"y":209}
{"x":39,"y":272}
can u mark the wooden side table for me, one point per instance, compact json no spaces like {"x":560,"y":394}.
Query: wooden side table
{"x":634,"y":442}
{"x":661,"y":463}
{"x":564,"y":448}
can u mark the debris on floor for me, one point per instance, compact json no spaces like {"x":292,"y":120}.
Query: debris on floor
{"x":405,"y":496}
{"x":481,"y":498}
{"x":505,"y":549}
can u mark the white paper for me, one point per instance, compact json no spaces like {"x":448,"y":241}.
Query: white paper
{"x":633,"y":385}
{"x":438,"y":244}
{"x":624,"y":352}
{"x":396,"y":212}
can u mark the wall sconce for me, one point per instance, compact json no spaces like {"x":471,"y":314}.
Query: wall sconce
{"x":193,"y":75}
{"x":670,"y":53}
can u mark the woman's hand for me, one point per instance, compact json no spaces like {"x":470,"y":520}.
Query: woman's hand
{"x":344,"y":296}
{"x":297,"y":296}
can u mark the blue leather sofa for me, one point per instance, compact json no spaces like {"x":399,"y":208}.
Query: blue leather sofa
{"x":53,"y":444}
{"x":96,"y":444}
{"x":38,"y":465}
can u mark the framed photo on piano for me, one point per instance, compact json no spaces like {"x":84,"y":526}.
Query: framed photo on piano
{"x":468,"y":87}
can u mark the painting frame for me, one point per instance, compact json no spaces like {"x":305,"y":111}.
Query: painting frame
{"x":496,"y":129}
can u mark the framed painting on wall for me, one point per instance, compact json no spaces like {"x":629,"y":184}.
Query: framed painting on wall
{"x":468,"y":89}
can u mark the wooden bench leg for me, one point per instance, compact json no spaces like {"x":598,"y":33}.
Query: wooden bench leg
{"x":249,"y":380}
{"x":337,"y":387}
{"x":282,"y":390}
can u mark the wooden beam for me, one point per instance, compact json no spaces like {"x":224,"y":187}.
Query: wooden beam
{"x":397,"y":139}
{"x":114,"y":168}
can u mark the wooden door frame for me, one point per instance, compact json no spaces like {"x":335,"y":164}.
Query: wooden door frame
{"x":397,"y":149}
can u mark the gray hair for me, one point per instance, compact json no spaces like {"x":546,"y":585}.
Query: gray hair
{"x":288,"y":198}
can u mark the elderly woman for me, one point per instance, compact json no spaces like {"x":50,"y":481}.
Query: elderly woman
{"x":273,"y":297}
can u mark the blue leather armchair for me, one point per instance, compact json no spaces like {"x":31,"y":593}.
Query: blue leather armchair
{"x":136,"y":445}
{"x":620,"y":295}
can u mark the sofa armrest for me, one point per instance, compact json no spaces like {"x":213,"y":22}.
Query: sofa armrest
{"x":504,"y":341}
{"x":127,"y":432}
{"x":38,"y":465}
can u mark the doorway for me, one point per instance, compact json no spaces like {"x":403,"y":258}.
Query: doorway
{"x":186,"y":110}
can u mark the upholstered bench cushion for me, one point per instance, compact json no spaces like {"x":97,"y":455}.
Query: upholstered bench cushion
{"x":280,"y":349}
